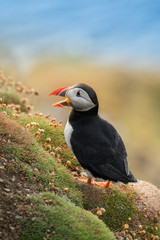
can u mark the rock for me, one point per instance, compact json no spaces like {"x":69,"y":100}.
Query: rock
{"x":27,"y":190}
{"x":128,"y":237}
{"x":1,"y":180}
{"x":19,"y":185}
{"x":120,"y":238}
{"x":19,"y":192}
{"x":147,"y":198}
{"x":12,"y":228}
{"x":84,"y":174}
{"x":13,"y":179}
{"x":7,"y":189}
{"x":18,"y":217}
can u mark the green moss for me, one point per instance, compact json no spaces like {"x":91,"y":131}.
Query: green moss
{"x":54,"y":133}
{"x":120,"y":208}
{"x":118,"y":205}
{"x":60,"y":219}
{"x":33,"y":230}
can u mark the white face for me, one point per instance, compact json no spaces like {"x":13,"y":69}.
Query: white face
{"x":80,"y":100}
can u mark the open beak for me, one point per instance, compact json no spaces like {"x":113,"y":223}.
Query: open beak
{"x":61,"y":92}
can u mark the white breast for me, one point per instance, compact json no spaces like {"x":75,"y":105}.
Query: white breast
{"x":67,"y":133}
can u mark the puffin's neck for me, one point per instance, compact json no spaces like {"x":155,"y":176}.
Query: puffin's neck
{"x":78,"y":116}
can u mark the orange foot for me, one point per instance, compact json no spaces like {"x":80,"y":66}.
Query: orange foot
{"x":90,"y":181}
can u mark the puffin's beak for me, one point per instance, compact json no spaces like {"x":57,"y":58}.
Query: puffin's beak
{"x":61,"y":92}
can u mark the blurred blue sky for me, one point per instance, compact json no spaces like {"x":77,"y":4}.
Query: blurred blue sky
{"x":105,"y":31}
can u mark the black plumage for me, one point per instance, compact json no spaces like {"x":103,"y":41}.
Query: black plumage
{"x":99,"y":148}
{"x":97,"y":145}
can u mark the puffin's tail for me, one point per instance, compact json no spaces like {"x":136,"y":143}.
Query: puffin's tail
{"x":131,"y":178}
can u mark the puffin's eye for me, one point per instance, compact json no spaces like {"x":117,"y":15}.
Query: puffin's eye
{"x":78,"y":94}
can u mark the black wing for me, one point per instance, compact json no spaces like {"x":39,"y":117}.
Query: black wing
{"x":99,"y":149}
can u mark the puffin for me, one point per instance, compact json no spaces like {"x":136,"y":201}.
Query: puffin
{"x":94,"y":141}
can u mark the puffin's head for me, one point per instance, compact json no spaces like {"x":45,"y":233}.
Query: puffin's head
{"x":80,"y":97}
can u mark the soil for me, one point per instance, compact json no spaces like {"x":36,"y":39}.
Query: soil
{"x":13,"y":190}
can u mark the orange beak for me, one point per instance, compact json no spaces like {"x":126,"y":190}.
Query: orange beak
{"x":61,"y":92}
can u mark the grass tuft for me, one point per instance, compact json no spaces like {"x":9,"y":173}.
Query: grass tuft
{"x":55,"y":218}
